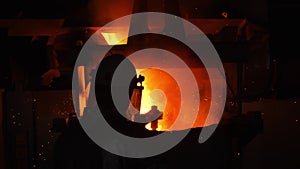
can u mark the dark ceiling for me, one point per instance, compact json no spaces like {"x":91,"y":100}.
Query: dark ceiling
{"x":107,"y":10}
{"x":280,"y":16}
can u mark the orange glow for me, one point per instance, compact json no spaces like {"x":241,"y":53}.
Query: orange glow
{"x":169,"y":102}
{"x":82,"y":98}
{"x":83,"y":90}
{"x":114,"y":38}
{"x":161,"y":90}
{"x":159,"y":128}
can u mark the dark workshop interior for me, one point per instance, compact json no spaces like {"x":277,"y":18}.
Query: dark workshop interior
{"x":40,"y":114}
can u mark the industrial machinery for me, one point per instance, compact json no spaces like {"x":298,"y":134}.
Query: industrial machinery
{"x":233,"y":133}
{"x":42,"y":129}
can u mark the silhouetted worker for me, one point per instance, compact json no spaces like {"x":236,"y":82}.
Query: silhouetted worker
{"x":75,"y":150}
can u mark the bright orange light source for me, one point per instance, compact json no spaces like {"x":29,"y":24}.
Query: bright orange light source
{"x":114,"y":38}
{"x":82,"y":90}
{"x":159,"y":127}
{"x":161,"y":90}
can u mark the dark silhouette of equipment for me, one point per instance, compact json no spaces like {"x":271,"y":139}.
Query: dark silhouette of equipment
{"x":74,"y":149}
{"x":154,"y":112}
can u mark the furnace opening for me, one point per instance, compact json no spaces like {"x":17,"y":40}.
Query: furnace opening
{"x":162,"y":90}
